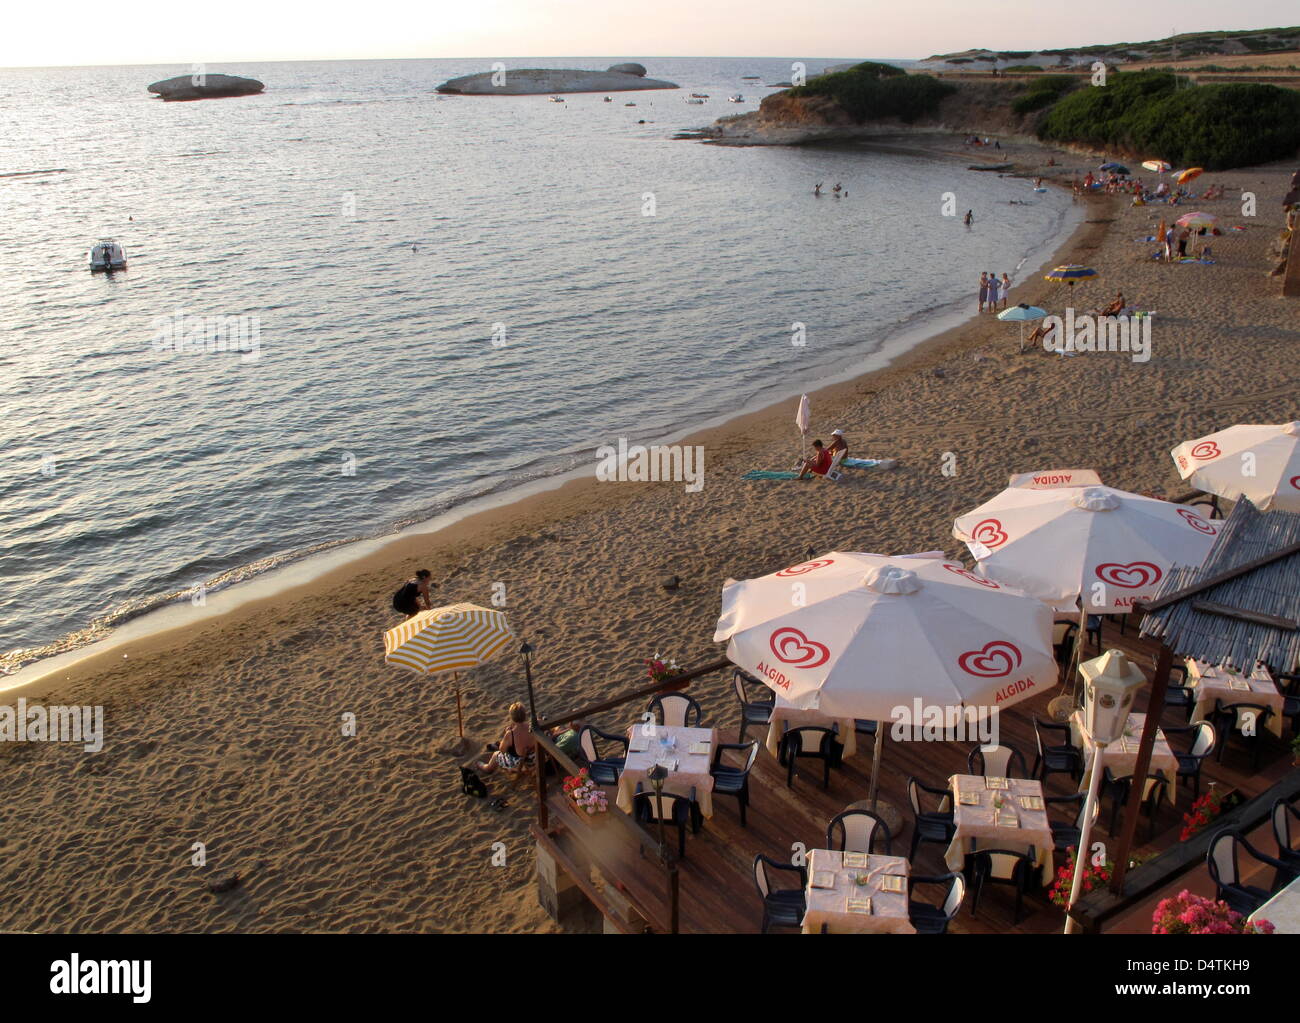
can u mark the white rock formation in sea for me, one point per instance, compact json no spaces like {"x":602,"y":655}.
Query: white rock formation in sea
{"x":542,"y":81}
{"x":187,"y":87}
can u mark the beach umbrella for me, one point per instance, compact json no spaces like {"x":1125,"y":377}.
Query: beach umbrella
{"x":1106,"y":547}
{"x":447,"y":640}
{"x":1118,"y":168}
{"x":1182,"y":177}
{"x":1159,"y":166}
{"x":865,"y":636}
{"x":1260,"y":463}
{"x":1020,"y":313}
{"x":803,"y":420}
{"x":1070,"y":273}
{"x":1197,"y":219}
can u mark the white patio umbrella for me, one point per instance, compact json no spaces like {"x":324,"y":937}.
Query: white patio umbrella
{"x":863,"y":636}
{"x":1106,"y":546}
{"x":1260,"y":463}
{"x":1021,"y":313}
{"x":803,"y":420}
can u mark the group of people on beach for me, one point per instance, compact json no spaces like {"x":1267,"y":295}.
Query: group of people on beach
{"x":993,"y":292}
{"x":823,"y":457}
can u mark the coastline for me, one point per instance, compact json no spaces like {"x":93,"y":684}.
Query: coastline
{"x":324,"y":560}
{"x":228,"y":731}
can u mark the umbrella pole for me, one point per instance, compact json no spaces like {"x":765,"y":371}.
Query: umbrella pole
{"x":875,"y":762}
{"x":460,"y":720}
{"x":1082,"y":853}
{"x":1022,"y":337}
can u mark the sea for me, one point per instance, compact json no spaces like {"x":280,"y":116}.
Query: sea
{"x":353,"y":303}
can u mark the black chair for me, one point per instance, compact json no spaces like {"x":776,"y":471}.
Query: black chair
{"x":859,"y":831}
{"x":1221,"y":859}
{"x":1094,"y":630}
{"x":1002,"y":866}
{"x":996,"y":761}
{"x":1179,"y":693}
{"x":935,"y":825}
{"x":604,"y":770}
{"x":1068,"y":836}
{"x":1281,"y":815}
{"x":1062,"y":757}
{"x":1063,"y":634}
{"x":782,"y":907}
{"x":1291,"y":711}
{"x":1118,"y":790}
{"x":1204,"y":739}
{"x":1232,"y":718}
{"x":674,"y":809}
{"x":752,"y":712}
{"x":810,"y":742}
{"x":676,"y":709}
{"x":864,"y":727}
{"x":930,"y":919}
{"x":734,"y":781}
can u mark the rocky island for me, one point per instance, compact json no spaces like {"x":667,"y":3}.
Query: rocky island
{"x":543,"y":82}
{"x":188,"y":87}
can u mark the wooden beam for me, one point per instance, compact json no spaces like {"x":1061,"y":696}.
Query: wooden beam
{"x":584,"y":883}
{"x":1137,"y":787}
{"x":1241,"y":614}
{"x":664,"y":686}
{"x":1219,"y":578}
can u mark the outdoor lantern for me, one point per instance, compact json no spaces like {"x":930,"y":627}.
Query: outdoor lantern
{"x":1109,"y":685}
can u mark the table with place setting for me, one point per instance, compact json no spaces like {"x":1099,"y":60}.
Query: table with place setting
{"x":856,"y":893}
{"x":1229,"y":685}
{"x":687,"y":753}
{"x":1000,"y":813}
{"x":1121,"y":755}
{"x":786,"y":716}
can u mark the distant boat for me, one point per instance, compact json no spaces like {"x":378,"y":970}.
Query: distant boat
{"x":629,"y":104}
{"x":697,"y":102}
{"x":699,"y":95}
{"x":557,"y":99}
{"x":749,"y":78}
{"x":106,"y":255}
{"x":608,"y":100}
{"x":737,"y":98}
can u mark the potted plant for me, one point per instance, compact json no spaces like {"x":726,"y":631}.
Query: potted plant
{"x":658,"y":669}
{"x":1186,"y":913}
{"x":1094,"y":876}
{"x":1205,"y":811}
{"x":588,"y":798}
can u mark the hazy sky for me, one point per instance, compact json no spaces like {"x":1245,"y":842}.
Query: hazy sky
{"x":71,"y":32}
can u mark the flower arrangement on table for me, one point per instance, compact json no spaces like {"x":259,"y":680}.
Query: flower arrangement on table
{"x":1186,"y":913}
{"x":585,"y":793}
{"x":658,"y":670}
{"x":1202,"y":814}
{"x":1094,"y":877}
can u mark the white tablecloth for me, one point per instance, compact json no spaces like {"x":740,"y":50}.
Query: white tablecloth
{"x":831,"y":905}
{"x":1211,"y":683}
{"x":692,"y":768}
{"x":1121,"y":755}
{"x":979,"y":827}
{"x":785,"y":717}
{"x":1282,"y":910}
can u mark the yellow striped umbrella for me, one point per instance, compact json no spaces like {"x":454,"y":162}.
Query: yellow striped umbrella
{"x":447,"y":639}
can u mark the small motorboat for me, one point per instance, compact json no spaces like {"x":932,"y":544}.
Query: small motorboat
{"x":557,"y":99}
{"x":696,"y":102}
{"x":608,"y":100}
{"x":699,"y":95}
{"x":749,"y":78}
{"x":737,"y":98}
{"x":629,"y":104}
{"x":107,"y":255}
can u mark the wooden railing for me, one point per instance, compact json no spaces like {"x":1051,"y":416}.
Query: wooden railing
{"x":658,"y":854}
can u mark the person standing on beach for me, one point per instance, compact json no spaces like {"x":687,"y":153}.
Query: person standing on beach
{"x":984,"y":288}
{"x":413,"y":593}
{"x":1183,"y":235}
{"x":1004,"y":290}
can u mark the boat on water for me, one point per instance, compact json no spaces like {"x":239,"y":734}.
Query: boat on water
{"x":629,"y":104}
{"x":107,"y":255}
{"x":749,"y":78}
{"x":699,"y":95}
{"x":697,"y":102}
{"x":608,"y":100}
{"x":737,"y":98}
{"x":557,"y":99}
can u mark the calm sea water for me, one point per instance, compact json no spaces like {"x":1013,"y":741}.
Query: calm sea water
{"x":383,"y":237}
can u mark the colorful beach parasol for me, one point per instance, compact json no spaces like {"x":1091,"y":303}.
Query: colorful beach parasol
{"x":447,"y":639}
{"x":1182,"y":177}
{"x":1020,"y":313}
{"x":1118,"y":168}
{"x":1070,"y":273}
{"x":1197,"y":219}
{"x":1159,"y":166}
{"x":1260,"y":463}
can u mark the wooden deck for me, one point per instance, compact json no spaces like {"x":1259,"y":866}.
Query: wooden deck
{"x":716,"y":887}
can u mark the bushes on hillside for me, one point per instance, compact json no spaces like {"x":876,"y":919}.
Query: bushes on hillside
{"x":1043,"y":92}
{"x":871,"y":91}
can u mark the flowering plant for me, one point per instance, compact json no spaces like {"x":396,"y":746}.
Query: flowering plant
{"x":1093,"y":877}
{"x":658,"y":670}
{"x":1202,"y":814}
{"x":585,"y":793}
{"x":1186,"y":913}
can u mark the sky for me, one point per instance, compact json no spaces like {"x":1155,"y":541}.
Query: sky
{"x":79,"y":32}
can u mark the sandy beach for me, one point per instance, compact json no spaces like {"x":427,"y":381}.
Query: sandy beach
{"x":230,"y":733}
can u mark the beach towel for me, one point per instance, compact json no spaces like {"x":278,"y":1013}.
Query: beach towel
{"x":770,"y":474}
{"x":867,"y":463}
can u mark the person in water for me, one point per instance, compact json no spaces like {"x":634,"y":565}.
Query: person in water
{"x":414,"y":593}
{"x":517,"y":743}
{"x":817,"y":189}
{"x":970,"y":217}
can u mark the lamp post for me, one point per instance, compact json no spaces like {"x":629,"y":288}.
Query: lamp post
{"x":657,"y":774}
{"x":1109,"y":684}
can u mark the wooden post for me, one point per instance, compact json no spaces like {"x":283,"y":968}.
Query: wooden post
{"x":1155,"y":707}
{"x":672,"y":898}
{"x":460,"y":719}
{"x":543,"y":814}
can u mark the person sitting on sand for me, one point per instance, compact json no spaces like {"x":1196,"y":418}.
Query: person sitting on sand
{"x":819,"y":463}
{"x":1116,"y":307}
{"x":414,"y":593}
{"x":1039,"y":333}
{"x":838,"y":445}
{"x":517,"y":743}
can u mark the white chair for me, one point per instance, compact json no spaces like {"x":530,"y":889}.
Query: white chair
{"x":996,"y":762}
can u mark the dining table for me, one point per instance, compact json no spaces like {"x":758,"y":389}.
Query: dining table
{"x":1121,"y":755}
{"x":687,"y":753}
{"x":1000,"y":813}
{"x":1282,"y":910}
{"x":856,"y":893}
{"x":1228,"y":685}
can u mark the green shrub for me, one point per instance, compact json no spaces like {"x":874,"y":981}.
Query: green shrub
{"x":1022,"y":69}
{"x":871,"y":91}
{"x":1043,"y":92}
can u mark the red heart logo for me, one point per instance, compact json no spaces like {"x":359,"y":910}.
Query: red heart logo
{"x":793,"y":647}
{"x":993,"y":660}
{"x":1206,"y":450}
{"x":1295,"y":482}
{"x":967,"y":574}
{"x":989,"y":533}
{"x":1132,"y":576}
{"x":807,"y":566}
{"x":1197,"y":523}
